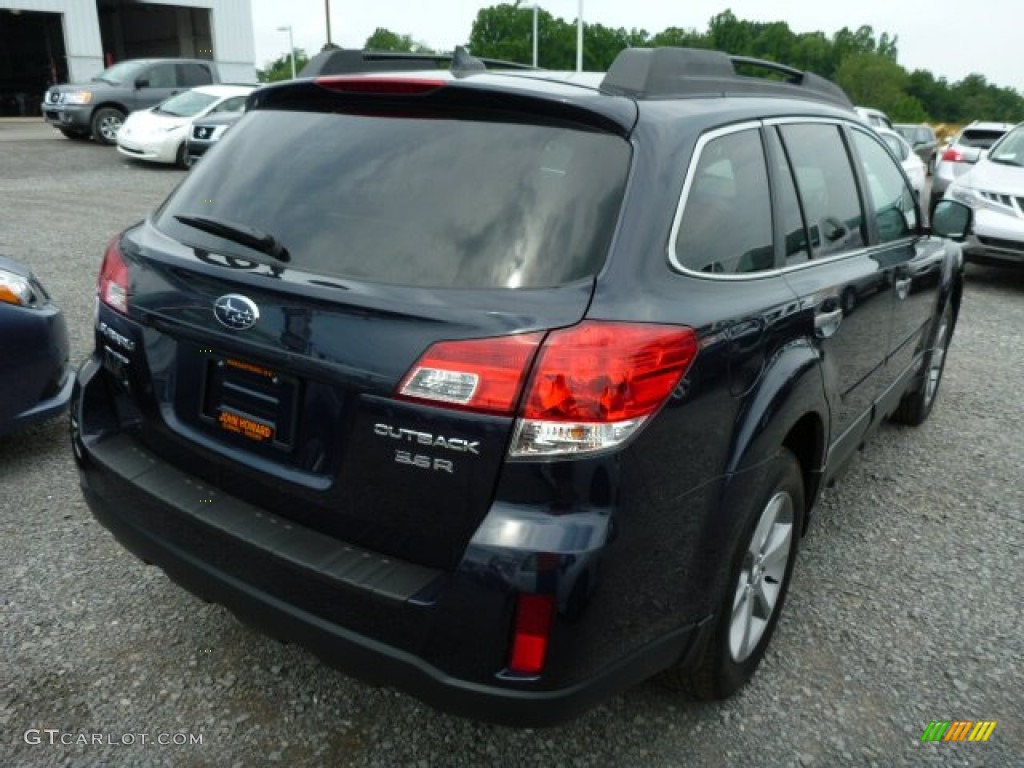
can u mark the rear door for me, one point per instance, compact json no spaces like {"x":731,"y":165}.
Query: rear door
{"x":412,"y":242}
{"x":844,"y":287}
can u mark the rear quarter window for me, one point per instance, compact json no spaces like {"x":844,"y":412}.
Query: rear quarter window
{"x":415,"y":201}
{"x":726,"y":224}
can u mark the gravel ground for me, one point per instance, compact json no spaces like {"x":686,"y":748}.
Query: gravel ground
{"x":905,"y":605}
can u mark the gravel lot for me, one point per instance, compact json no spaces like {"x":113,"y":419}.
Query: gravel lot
{"x":905,"y":605}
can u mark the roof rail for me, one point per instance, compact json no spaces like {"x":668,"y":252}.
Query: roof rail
{"x":342,"y":61}
{"x":661,"y":73}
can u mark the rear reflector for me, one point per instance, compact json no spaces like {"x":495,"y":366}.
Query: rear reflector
{"x":385,"y":86}
{"x":112,"y":286}
{"x":534,"y":615}
{"x":484,"y":375}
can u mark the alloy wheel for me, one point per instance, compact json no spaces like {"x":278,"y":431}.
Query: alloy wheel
{"x":761,"y":577}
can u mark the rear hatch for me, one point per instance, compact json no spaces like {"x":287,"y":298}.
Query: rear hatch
{"x":293,"y":281}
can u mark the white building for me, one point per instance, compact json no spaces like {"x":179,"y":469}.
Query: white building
{"x":48,"y":41}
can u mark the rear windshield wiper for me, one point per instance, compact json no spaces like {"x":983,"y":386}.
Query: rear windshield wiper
{"x":239,"y":233}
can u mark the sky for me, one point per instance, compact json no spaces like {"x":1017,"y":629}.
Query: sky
{"x":942,"y":36}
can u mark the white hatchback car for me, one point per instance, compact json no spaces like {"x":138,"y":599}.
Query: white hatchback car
{"x":912,"y":165}
{"x":994,"y":188}
{"x":158,"y":134}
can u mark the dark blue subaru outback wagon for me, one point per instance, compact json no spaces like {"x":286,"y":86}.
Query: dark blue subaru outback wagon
{"x":513,"y":389}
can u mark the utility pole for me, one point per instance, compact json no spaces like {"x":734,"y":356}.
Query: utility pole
{"x":579,"y":38}
{"x":535,"y":34}
{"x":327,"y":13}
{"x":291,"y":45}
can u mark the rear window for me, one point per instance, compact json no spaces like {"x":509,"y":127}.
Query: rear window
{"x":982,"y":139}
{"x":419,"y":202}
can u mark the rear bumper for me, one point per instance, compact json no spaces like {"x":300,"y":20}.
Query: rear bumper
{"x":439,"y":636}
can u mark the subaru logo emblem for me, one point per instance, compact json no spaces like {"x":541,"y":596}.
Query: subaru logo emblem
{"x":236,"y":312}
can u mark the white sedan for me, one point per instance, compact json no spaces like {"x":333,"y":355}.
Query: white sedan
{"x":912,"y":164}
{"x":158,"y":134}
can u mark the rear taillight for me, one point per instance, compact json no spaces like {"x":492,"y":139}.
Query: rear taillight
{"x":595,"y":384}
{"x":592,"y":387}
{"x":952,"y":155}
{"x":112,"y":286}
{"x":483,"y":375}
{"x":534,"y":615}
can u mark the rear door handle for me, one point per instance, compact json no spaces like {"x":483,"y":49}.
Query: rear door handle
{"x":903,"y":288}
{"x":827,"y":323}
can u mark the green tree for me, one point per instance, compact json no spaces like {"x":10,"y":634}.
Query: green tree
{"x":875,"y":80}
{"x":385,"y":40}
{"x":281,"y":67}
{"x":730,"y":34}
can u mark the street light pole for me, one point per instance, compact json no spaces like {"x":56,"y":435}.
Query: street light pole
{"x":327,"y":13}
{"x":579,"y":38}
{"x":535,"y":35}
{"x":291,"y":46}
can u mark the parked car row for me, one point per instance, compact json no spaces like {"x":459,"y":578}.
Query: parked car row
{"x":159,"y":134}
{"x":993,"y":186}
{"x":144,"y":106}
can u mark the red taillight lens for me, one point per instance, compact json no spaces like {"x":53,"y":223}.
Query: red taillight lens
{"x":385,"y":86}
{"x":534,"y":615}
{"x":112,"y":286}
{"x":592,"y":387}
{"x":605,"y":372}
{"x":477,"y":374}
{"x":953,"y":155}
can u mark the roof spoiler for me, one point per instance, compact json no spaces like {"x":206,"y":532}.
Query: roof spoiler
{"x":345,"y":61}
{"x":661,"y":73}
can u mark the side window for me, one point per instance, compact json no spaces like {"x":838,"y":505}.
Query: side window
{"x":162,"y":76}
{"x":898,"y":147}
{"x":726,"y":225}
{"x":892,"y":200}
{"x":827,"y":187}
{"x":191,"y":74}
{"x":792,"y":219}
{"x":234,"y":104}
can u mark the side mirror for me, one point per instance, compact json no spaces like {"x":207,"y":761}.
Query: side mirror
{"x":951,"y":219}
{"x":142,"y":82}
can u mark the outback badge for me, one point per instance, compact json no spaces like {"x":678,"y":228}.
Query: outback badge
{"x":235,"y":311}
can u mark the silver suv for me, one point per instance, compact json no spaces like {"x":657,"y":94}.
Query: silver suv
{"x":963,"y":152}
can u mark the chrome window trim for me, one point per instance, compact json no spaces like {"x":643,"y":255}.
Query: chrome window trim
{"x":691,"y":170}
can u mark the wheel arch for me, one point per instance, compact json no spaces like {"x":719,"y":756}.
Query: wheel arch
{"x":787,"y":409}
{"x":109,"y":105}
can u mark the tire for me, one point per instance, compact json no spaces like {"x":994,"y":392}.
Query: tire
{"x":756,"y":585}
{"x":917,"y":403}
{"x":106,"y":122}
{"x":180,"y":159}
{"x":75,"y":135}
